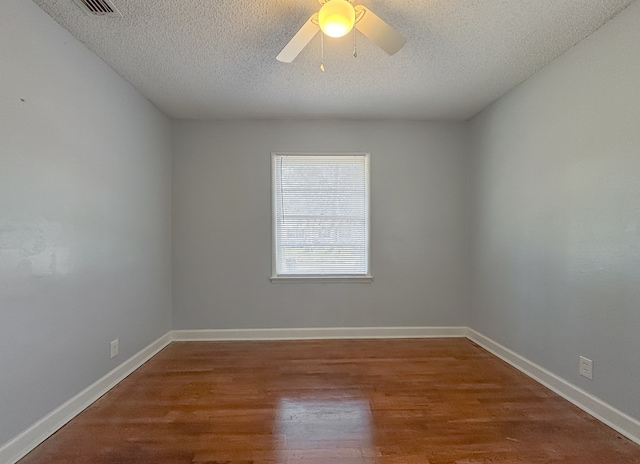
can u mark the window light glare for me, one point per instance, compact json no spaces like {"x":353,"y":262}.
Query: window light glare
{"x":336,"y":18}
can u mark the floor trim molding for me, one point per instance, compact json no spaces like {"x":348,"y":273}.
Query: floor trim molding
{"x":318,"y":333}
{"x":604,"y":412}
{"x":26,"y":441}
{"x":20,"y":445}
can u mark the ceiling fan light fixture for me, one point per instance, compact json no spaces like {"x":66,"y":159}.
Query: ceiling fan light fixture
{"x":336,"y":18}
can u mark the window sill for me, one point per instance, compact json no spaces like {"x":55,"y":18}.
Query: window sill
{"x":322,"y":279}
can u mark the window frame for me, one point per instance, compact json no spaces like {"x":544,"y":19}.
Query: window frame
{"x":324,"y":278}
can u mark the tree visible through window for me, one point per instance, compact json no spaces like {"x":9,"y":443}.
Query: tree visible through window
{"x":320,"y":215}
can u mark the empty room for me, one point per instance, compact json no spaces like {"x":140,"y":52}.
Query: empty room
{"x":302,"y":231}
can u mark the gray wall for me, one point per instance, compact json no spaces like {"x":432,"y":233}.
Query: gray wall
{"x":556,"y":229}
{"x":84,"y":217}
{"x":222,"y":226}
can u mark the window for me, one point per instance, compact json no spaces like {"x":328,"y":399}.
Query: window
{"x":320,"y":216}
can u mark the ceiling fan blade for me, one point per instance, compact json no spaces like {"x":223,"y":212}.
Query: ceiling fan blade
{"x":379,"y":32}
{"x":300,"y":40}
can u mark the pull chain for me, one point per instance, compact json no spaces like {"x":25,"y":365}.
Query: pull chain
{"x":355,"y":50}
{"x":322,"y":52}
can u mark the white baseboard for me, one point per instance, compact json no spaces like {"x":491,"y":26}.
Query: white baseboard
{"x":26,"y":441}
{"x":23,"y":443}
{"x":617,"y":420}
{"x":318,"y":333}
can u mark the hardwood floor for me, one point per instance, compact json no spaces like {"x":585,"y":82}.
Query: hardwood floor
{"x":432,"y":401}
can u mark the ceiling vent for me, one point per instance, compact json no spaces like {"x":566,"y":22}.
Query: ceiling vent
{"x":99,"y":7}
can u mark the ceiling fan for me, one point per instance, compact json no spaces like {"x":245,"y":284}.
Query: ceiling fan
{"x":337,"y":18}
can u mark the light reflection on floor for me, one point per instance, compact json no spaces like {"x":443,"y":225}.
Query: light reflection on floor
{"x":321,"y":430}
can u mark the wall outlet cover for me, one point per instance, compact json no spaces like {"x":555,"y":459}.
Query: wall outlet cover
{"x":114,"y":348}
{"x":586,"y":367}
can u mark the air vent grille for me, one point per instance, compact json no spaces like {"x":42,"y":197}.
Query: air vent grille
{"x":99,"y":7}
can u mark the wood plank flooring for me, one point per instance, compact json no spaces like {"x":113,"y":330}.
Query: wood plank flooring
{"x":432,"y":401}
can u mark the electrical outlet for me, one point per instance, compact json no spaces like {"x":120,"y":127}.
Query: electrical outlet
{"x":586,"y":368}
{"x":114,"y":348}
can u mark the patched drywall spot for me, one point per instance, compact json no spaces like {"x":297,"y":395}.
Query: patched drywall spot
{"x":35,"y":249}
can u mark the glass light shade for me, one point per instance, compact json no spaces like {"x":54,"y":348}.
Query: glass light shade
{"x":336,"y":18}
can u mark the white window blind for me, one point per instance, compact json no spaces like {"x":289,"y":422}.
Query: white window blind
{"x":321,"y":215}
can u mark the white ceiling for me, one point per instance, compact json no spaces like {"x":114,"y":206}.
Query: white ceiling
{"x":215,"y":59}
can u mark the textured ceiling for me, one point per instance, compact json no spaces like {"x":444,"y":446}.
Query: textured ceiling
{"x":215,"y":59}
